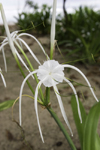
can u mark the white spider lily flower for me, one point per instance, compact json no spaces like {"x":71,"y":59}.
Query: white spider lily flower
{"x":53,"y":26}
{"x":16,"y":40}
{"x":7,"y":30}
{"x":50,"y":74}
{"x":3,"y":79}
{"x":48,"y":69}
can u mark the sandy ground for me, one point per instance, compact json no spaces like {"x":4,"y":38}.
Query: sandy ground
{"x":11,"y":137}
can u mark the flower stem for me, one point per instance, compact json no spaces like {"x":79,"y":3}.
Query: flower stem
{"x":51,"y":53}
{"x":7,"y":30}
{"x":53,"y":28}
{"x":47,"y":97}
{"x":62,"y":128}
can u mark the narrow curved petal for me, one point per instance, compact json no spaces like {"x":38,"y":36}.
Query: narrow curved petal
{"x":4,"y":58}
{"x":3,"y":44}
{"x":75,"y":68}
{"x":62,"y":108}
{"x":71,"y":85}
{"x":4,"y":82}
{"x":29,"y":50}
{"x":21,"y":90}
{"x":36,"y":41}
{"x":74,"y":93}
{"x":22,"y":61}
{"x":36,"y":108}
{"x":14,"y":34}
{"x":20,"y":44}
{"x":5,"y":40}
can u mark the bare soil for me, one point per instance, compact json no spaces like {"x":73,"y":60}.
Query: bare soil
{"x":12,"y":137}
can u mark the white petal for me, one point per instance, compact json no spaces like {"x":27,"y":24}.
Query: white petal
{"x":14,"y":34}
{"x":4,"y":82}
{"x":21,"y":90}
{"x":20,"y":44}
{"x":71,"y":85}
{"x":58,"y":68}
{"x":36,"y":109}
{"x":4,"y":58}
{"x":3,"y":44}
{"x":48,"y":82}
{"x":5,"y":40}
{"x":62,"y":108}
{"x":22,"y":61}
{"x":29,"y":50}
{"x":75,"y":68}
{"x":36,"y":41}
{"x":58,"y":77}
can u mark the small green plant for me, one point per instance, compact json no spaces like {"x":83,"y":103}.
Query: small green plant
{"x":87,"y":131}
{"x":39,"y":19}
{"x":80,"y":35}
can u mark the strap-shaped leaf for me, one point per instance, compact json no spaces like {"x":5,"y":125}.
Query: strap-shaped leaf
{"x":79,"y":125}
{"x":6,"y":104}
{"x":91,"y":140}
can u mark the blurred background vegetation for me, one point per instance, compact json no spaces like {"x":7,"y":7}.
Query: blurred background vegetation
{"x":77,"y":34}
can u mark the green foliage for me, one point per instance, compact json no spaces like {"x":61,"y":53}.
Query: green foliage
{"x":37,"y":19}
{"x":6,"y":104}
{"x":91,"y":138}
{"x":77,"y":35}
{"x":87,"y":131}
{"x":79,"y":125}
{"x":80,"y":34}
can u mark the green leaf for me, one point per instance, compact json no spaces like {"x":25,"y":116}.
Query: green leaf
{"x":6,"y":104}
{"x":91,"y":138}
{"x":97,"y":144}
{"x":79,"y":125}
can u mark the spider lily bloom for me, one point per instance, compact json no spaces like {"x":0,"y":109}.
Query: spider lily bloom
{"x":16,"y":38}
{"x":50,"y":74}
{"x":4,"y":43}
{"x":4,"y":82}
